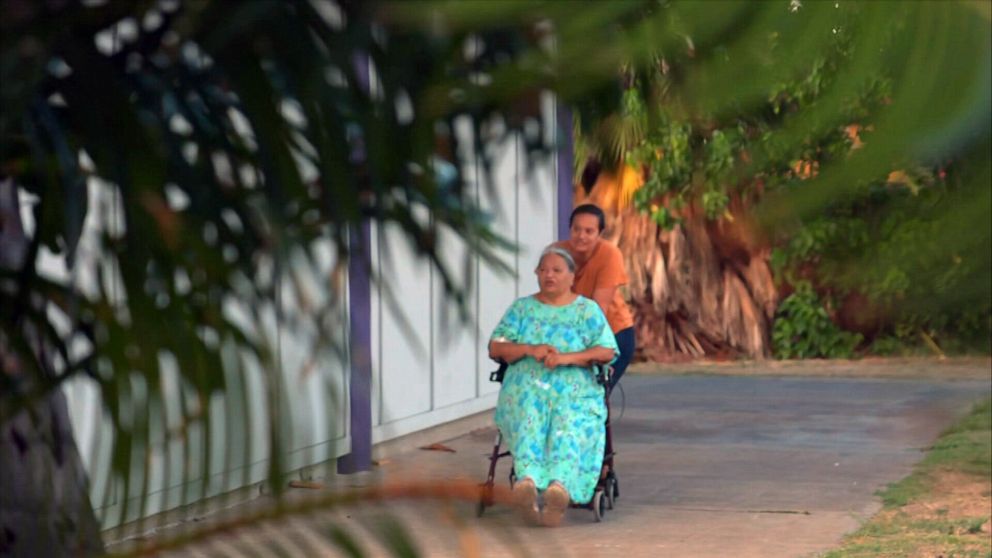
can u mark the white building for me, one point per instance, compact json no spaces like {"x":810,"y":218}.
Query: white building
{"x":396,"y":380}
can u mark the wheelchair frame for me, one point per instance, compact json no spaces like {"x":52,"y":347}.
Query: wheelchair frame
{"x":607,"y":487}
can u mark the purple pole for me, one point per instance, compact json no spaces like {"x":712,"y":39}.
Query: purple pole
{"x":360,"y":387}
{"x":360,"y":317}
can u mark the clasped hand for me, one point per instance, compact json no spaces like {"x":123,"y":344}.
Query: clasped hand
{"x":549,"y":356}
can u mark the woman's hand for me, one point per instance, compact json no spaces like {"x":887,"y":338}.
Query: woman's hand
{"x":540,"y":353}
{"x":581,"y":358}
{"x":559,"y":359}
{"x":512,"y":352}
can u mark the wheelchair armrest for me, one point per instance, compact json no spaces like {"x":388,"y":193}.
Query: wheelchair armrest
{"x":497,"y":375}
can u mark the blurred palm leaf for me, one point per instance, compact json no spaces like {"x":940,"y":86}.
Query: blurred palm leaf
{"x":232,"y":138}
{"x":233,"y":150}
{"x":713,"y":64}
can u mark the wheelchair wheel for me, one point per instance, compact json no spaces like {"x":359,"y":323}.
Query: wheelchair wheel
{"x":610,"y":491}
{"x":598,"y":506}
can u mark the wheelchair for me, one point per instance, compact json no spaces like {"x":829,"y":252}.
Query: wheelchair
{"x":607,"y":490}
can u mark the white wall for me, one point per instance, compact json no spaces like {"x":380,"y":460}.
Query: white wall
{"x":314,"y":390}
{"x":432,"y":370}
{"x":436,"y":370}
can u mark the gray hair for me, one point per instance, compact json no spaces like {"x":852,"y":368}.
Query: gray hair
{"x":569,"y":261}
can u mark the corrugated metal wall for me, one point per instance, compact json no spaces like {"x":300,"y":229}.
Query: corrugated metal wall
{"x":428,"y":367}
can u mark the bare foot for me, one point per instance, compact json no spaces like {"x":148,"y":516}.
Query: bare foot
{"x":525,"y":500}
{"x":556,"y":501}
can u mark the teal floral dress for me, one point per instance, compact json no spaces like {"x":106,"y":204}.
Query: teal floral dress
{"x":554,"y":420}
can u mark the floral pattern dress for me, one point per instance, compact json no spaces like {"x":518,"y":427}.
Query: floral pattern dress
{"x":554,"y":420}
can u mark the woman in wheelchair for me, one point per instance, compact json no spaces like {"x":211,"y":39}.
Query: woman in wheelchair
{"x":551,"y":410}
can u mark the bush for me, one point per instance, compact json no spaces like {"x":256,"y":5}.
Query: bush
{"x":803,"y":329}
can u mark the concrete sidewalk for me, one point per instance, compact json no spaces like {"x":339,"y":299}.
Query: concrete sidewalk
{"x":708,"y":466}
{"x":739,"y":466}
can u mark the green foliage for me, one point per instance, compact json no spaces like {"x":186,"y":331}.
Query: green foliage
{"x":706,"y":158}
{"x":667,"y":156}
{"x":715,"y":104}
{"x":839,"y":93}
{"x":803,"y":329}
{"x":239,"y":152}
{"x":888,"y":345}
{"x":714,"y":203}
{"x":809,"y":243}
{"x":799,"y":108}
{"x":890,"y":245}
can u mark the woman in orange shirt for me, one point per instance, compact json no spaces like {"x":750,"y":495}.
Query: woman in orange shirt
{"x":599,"y":274}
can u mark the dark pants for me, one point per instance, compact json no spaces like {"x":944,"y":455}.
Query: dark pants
{"x":626,"y":344}
{"x":625,"y":341}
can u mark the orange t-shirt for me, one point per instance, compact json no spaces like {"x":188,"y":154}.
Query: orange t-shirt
{"x":604,"y":269}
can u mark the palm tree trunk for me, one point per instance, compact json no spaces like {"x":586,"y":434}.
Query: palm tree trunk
{"x":697,"y":290}
{"x":45,"y":507}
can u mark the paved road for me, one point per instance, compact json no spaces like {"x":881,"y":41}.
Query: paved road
{"x":726,"y":466}
{"x":710,"y":466}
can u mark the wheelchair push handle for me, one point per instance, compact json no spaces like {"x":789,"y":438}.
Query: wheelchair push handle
{"x":603,"y":373}
{"x":497,"y":375}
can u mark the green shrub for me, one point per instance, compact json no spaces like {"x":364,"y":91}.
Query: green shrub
{"x":887,"y":345}
{"x":803,"y":329}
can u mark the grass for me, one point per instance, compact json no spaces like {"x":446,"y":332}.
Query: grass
{"x":918,"y":518}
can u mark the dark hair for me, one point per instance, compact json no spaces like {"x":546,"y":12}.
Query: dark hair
{"x":589,"y":209}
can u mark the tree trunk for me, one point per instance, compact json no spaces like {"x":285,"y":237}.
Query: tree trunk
{"x":701,"y":289}
{"x":45,"y":507}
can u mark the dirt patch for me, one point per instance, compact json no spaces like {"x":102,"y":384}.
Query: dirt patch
{"x":955,"y":496}
{"x":953,"y":519}
{"x":970,"y":368}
